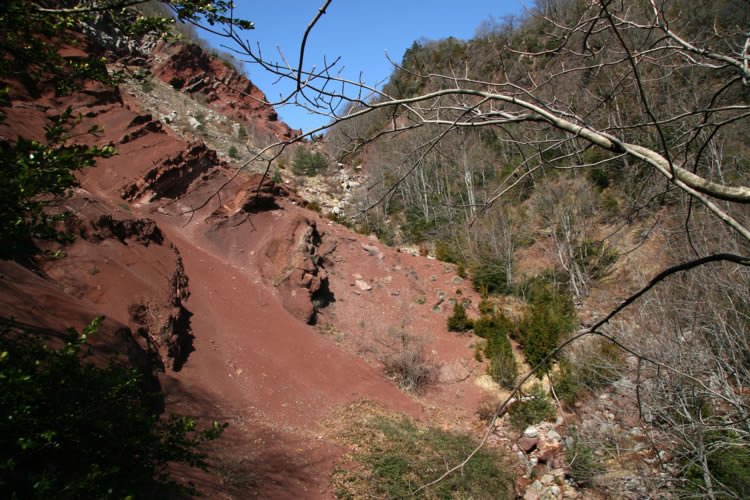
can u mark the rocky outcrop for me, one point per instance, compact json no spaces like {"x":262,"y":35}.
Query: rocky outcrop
{"x":143,"y":231}
{"x":126,"y":269}
{"x":188,"y":68}
{"x":260,"y":194}
{"x":165,"y":323}
{"x":294,"y":266}
{"x":172,"y":177}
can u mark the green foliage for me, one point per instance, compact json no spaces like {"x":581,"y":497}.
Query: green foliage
{"x":486,"y":307}
{"x":29,"y":42}
{"x":728,"y":460}
{"x":276,"y":176}
{"x":532,"y":411}
{"x":74,"y":430}
{"x":447,"y":251}
{"x":315,"y":206}
{"x":581,"y":460}
{"x":307,"y":163}
{"x":549,"y":317}
{"x":32,"y":175}
{"x":458,"y":321}
{"x":242,"y":133}
{"x":596,"y":257}
{"x":610,"y":205}
{"x":502,"y":364}
{"x":233,"y":153}
{"x":489,"y":276}
{"x":398,"y":457}
{"x":593,"y":369}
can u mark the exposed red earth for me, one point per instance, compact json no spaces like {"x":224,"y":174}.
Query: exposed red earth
{"x":261,"y":313}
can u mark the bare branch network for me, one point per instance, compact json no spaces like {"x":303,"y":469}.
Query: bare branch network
{"x":612,"y":93}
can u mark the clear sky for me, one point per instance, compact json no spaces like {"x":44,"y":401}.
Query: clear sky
{"x":359,"y":32}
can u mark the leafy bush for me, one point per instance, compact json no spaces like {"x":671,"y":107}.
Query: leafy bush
{"x":73,"y":430}
{"x":32,"y":176}
{"x":276,"y":176}
{"x":315,"y":206}
{"x":550,"y":316}
{"x":489,"y":276}
{"x":581,"y":461}
{"x":532,"y":411}
{"x":233,"y":153}
{"x":458,"y":321}
{"x":502,"y":364}
{"x":446,"y":251}
{"x":398,"y":456}
{"x":241,"y":133}
{"x":728,"y":461}
{"x":147,"y":84}
{"x":593,"y":369}
{"x":307,"y":163}
{"x":486,"y":307}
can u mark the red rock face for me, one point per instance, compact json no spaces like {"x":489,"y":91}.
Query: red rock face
{"x":188,"y":68}
{"x":260,"y":267}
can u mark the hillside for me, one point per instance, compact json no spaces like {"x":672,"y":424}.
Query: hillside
{"x":365,"y":309}
{"x":248,"y":308}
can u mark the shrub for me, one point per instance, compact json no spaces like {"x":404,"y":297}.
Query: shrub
{"x":315,"y":206}
{"x":73,"y":430}
{"x":34,"y":175}
{"x":532,"y":411}
{"x":581,"y":461}
{"x":147,"y":85}
{"x":448,"y":252}
{"x":233,"y":153}
{"x":307,"y":163}
{"x":486,"y":307}
{"x":241,"y":133}
{"x":411,"y":367}
{"x":550,"y":316}
{"x":728,"y":461}
{"x":489,"y":276}
{"x":458,"y":321}
{"x":596,"y":257}
{"x":594,"y":368}
{"x":502,"y":364}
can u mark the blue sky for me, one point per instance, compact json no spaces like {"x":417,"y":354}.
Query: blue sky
{"x":359,"y":32}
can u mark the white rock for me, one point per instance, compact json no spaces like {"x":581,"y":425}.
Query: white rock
{"x":531,"y":432}
{"x":170,"y":118}
{"x":363,"y":285}
{"x":553,"y":435}
{"x":194,"y":124}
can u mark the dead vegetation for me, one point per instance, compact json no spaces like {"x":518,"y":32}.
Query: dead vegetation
{"x":409,"y":365}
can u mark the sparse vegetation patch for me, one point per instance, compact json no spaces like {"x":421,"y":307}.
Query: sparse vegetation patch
{"x":396,"y":456}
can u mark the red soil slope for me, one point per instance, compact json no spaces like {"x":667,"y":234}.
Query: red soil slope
{"x":220,"y":286}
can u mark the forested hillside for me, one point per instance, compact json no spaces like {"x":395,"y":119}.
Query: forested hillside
{"x":595,"y":146}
